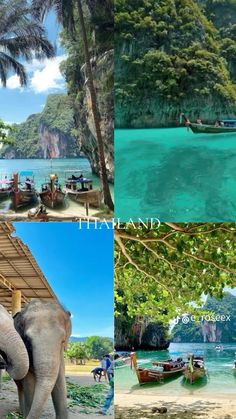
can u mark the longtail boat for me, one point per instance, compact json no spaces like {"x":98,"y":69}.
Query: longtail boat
{"x":23,"y":190}
{"x":51,"y":194}
{"x":167,"y":369}
{"x":80,"y":189}
{"x":5,"y":188}
{"x":224,"y":126}
{"x":195,"y":369}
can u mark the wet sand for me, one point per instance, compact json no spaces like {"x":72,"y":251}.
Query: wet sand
{"x":75,"y":211}
{"x":67,"y":214}
{"x":135,"y":406}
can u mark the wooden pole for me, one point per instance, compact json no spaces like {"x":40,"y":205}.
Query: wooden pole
{"x":16,"y":302}
{"x":15,"y":190}
{"x":87,"y":208}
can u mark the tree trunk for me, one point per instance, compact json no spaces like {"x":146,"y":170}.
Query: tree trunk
{"x":103,"y":174}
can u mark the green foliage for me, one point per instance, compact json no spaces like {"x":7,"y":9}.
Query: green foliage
{"x":21,"y":37}
{"x":91,"y":396}
{"x":172,"y":53}
{"x":189,"y":332}
{"x":78,"y":351}
{"x":6,"y":132}
{"x":26,"y":138}
{"x":99,"y":26}
{"x":6,"y":378}
{"x":58,"y":114}
{"x":226,"y":330}
{"x":160,"y":272}
{"x":99,"y":346}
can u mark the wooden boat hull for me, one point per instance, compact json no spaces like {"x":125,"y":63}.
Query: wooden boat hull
{"x":92,"y":197}
{"x":4,"y":195}
{"x":210,"y":129}
{"x":194,"y":375}
{"x":52,"y":199}
{"x":148,"y":375}
{"x":22,"y":198}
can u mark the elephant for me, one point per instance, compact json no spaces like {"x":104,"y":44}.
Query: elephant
{"x":45,"y":328}
{"x":13,"y":352}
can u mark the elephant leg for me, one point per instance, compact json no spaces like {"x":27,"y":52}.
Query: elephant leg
{"x":59,"y":394}
{"x":21,"y":398}
{"x":28,"y":389}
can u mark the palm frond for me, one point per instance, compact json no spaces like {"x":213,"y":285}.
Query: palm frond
{"x":64,"y":10}
{"x":22,"y":36}
{"x":7,"y":63}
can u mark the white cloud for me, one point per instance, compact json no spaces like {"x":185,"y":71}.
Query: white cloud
{"x":43,"y":76}
{"x":13,"y":82}
{"x":48,"y":77}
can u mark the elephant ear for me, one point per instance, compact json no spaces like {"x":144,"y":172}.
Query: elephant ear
{"x":20,"y":326}
{"x":19,"y":323}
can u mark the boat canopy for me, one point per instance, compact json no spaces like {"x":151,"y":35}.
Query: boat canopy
{"x":81,"y":180}
{"x":5,"y":181}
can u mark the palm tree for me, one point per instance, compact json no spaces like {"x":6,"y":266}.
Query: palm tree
{"x":65,"y":15}
{"x":21,"y":38}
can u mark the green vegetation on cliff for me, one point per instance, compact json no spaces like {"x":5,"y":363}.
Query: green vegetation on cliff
{"x":58,"y":113}
{"x":223,"y":331}
{"x":139,"y":332}
{"x":57,"y":116}
{"x":174,"y":56}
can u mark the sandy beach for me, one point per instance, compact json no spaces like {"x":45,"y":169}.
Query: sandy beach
{"x":68,"y":213}
{"x":145,"y":406}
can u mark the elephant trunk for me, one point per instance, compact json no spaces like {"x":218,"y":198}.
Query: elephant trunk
{"x":14,"y":352}
{"x":44,"y":385}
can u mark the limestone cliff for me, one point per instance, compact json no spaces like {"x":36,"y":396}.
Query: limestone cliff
{"x":46,"y":134}
{"x":222,"y":330}
{"x":84,"y":117}
{"x":55,"y":143}
{"x":172,"y":57}
{"x":140,"y":333}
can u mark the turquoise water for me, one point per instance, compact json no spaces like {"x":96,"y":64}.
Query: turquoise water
{"x":175,"y":175}
{"x":42,"y":168}
{"x":221,"y":378}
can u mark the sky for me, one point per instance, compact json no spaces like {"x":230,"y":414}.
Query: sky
{"x":17,"y":103}
{"x":78,"y":265}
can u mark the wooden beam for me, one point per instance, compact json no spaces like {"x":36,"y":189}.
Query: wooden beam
{"x":16,"y":302}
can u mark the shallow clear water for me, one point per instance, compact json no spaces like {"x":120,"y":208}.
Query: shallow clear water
{"x":175,"y":175}
{"x":41,"y":169}
{"x":221,"y":377}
